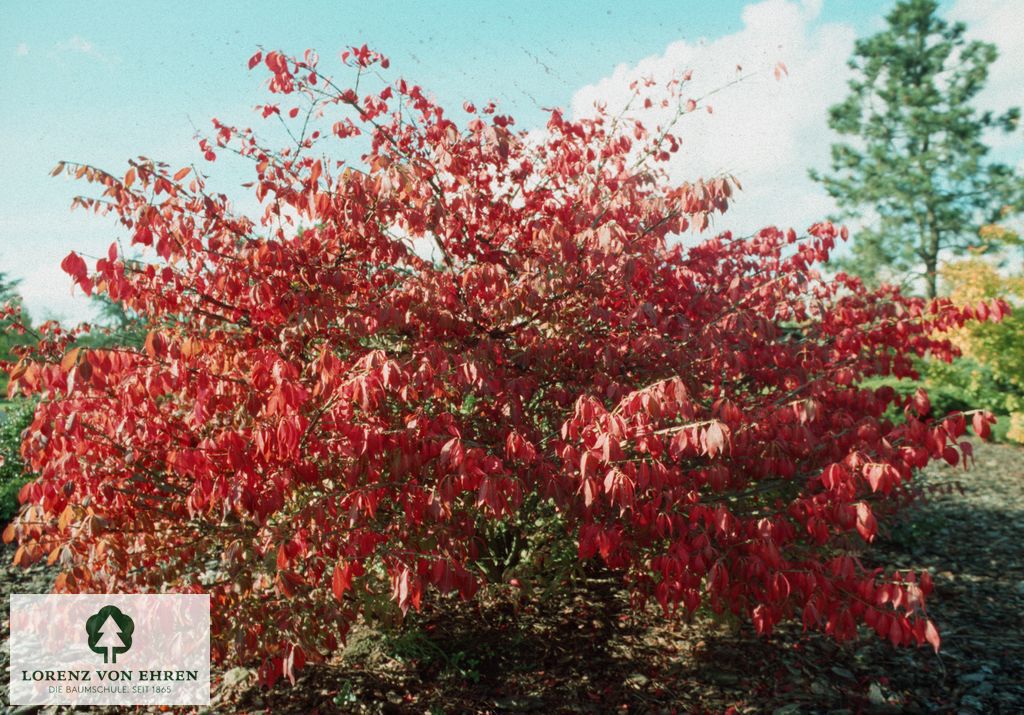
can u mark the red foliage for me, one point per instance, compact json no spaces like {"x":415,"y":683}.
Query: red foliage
{"x":337,"y":401}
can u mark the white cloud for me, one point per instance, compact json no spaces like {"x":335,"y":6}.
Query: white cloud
{"x":768,"y":133}
{"x":21,"y":50}
{"x":49,"y":294}
{"x":1001,"y":23}
{"x":765,"y":132}
{"x":77,"y":44}
{"x":47,"y":291}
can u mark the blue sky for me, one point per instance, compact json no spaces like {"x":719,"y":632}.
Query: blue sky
{"x":102,"y":82}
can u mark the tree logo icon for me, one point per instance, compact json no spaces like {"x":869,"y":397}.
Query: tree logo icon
{"x":110,"y":632}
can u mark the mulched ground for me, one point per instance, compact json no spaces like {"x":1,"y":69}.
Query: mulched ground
{"x":585,"y":654}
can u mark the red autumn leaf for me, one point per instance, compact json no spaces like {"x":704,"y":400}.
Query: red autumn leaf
{"x":75,"y":267}
{"x":931,"y":634}
{"x":716,"y":438}
{"x":921,"y":402}
{"x":588,"y":464}
{"x":867,"y":527}
{"x":70,"y":359}
{"x":981,"y":425}
{"x":341,"y":580}
{"x":951,"y":455}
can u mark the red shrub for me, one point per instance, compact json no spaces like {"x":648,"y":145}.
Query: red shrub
{"x":337,"y":402}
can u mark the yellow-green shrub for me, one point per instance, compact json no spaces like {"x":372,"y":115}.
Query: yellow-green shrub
{"x":992,"y":370}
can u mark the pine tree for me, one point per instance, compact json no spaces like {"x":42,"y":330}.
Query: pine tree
{"x":915,"y":170}
{"x":8,"y":288}
{"x":9,"y":336}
